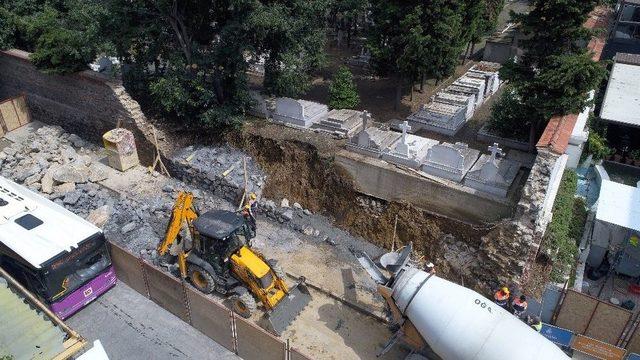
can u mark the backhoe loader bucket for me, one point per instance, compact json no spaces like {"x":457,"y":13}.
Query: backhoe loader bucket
{"x":289,"y":308}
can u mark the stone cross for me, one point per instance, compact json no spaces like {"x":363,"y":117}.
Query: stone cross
{"x":404,"y":127}
{"x":495,"y":151}
{"x":365,"y":120}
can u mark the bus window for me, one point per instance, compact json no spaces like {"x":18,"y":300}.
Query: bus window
{"x":68,"y":273}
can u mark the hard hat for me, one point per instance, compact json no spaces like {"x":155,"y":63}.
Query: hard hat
{"x":253,"y":196}
{"x":505,"y":290}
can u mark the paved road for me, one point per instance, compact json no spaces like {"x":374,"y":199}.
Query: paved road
{"x":130,"y":326}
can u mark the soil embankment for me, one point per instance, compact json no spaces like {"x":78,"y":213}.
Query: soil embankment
{"x":300,"y":167}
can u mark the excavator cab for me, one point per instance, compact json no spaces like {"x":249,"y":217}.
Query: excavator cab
{"x":218,"y":256}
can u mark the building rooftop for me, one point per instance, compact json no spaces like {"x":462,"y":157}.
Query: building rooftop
{"x":619,"y":204}
{"x":557,"y":133}
{"x":622,"y":100}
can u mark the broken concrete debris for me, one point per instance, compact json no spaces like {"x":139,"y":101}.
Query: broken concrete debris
{"x":72,"y":178}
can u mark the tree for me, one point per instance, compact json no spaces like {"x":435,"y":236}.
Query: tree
{"x":291,"y":36}
{"x":343,"y":93}
{"x":555,"y":74}
{"x":409,"y":39}
{"x":63,"y":35}
{"x":345,"y":13}
{"x":191,"y":56}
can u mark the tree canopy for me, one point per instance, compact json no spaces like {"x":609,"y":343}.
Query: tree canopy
{"x":556,"y":73}
{"x":190,"y":56}
{"x":343,"y":93}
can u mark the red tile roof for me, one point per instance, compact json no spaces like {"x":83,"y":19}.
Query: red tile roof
{"x":557,"y":133}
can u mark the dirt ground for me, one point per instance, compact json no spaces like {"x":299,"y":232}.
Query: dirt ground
{"x":327,"y":328}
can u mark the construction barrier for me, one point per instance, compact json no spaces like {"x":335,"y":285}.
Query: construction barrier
{"x":201,"y":311}
{"x":597,"y":349}
{"x":13,"y":114}
{"x":586,"y":315}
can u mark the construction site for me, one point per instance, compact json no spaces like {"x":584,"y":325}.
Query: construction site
{"x":305,"y":233}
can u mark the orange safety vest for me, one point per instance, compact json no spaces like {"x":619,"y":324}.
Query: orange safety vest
{"x":520,"y":305}
{"x":501,"y":297}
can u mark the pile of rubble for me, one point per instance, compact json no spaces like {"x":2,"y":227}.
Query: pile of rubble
{"x":220,"y":170}
{"x":59,"y":166}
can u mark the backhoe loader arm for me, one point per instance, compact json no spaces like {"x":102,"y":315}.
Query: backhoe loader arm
{"x":183,"y":214}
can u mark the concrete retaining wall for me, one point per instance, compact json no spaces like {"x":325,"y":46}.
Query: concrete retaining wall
{"x":389,"y":182}
{"x":87,"y":103}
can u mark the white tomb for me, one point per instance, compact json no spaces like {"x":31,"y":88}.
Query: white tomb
{"x":493,"y":174}
{"x":371,"y":141}
{"x":489,"y":72}
{"x":439,"y":117}
{"x":300,"y":113}
{"x":450,"y":161}
{"x":477,"y":85}
{"x":409,"y":150}
{"x":342,"y":122}
{"x":457,"y":99}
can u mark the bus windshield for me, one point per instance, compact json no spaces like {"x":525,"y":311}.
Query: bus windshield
{"x":67,"y":272}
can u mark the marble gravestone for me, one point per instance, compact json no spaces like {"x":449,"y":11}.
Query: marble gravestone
{"x":457,"y":99}
{"x":443,"y":118}
{"x":493,"y":174}
{"x":342,"y":122}
{"x":450,"y":161}
{"x":490,"y":72}
{"x":299,"y":113}
{"x":476,"y":85}
{"x":409,"y":150}
{"x":371,"y":141}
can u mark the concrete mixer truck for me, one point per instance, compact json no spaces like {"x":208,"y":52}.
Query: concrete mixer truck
{"x":434,"y":316}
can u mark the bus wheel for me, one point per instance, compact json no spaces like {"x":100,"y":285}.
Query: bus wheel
{"x":201,"y":279}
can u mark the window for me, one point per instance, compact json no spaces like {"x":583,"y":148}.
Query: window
{"x":29,"y":222}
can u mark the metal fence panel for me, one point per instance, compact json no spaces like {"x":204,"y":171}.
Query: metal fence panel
{"x":128,"y":269}
{"x":255,"y":343}
{"x":634,"y":342}
{"x":295,"y":354}
{"x":166,"y":291}
{"x":597,"y":349}
{"x":608,"y":323}
{"x":211,"y":318}
{"x":576,"y":311}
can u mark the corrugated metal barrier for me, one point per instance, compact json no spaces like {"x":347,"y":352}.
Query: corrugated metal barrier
{"x":201,"y":311}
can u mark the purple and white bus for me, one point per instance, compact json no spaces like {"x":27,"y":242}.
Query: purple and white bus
{"x":57,"y":255}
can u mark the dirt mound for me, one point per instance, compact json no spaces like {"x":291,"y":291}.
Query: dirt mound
{"x":300,"y":167}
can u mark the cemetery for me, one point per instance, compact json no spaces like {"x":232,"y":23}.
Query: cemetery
{"x":450,"y":109}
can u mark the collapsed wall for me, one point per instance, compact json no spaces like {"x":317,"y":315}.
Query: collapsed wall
{"x":305,"y":171}
{"x":87,"y":103}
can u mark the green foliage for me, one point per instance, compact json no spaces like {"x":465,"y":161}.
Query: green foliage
{"x":343,"y":93}
{"x":412,"y":38}
{"x":635,"y":155}
{"x":597,"y":146}
{"x":63,"y":35}
{"x":555,"y":75}
{"x":191,"y":56}
{"x":565,"y":230}
{"x":509,"y":117}
{"x":490,"y":13}
{"x":292,"y":33}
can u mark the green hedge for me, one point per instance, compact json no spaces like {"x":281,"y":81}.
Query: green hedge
{"x":565,"y":230}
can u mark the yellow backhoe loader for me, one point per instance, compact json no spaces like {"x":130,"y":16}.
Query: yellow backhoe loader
{"x":214,"y":253}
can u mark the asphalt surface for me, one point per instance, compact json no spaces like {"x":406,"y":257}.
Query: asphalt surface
{"x":130,"y":326}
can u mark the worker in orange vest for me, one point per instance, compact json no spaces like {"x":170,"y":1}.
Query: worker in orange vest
{"x":519,"y":306}
{"x":501,"y":297}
